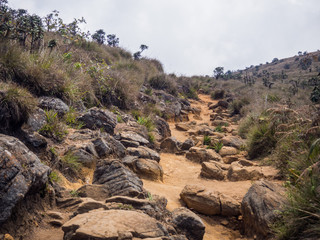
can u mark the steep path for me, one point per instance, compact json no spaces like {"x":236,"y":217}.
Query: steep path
{"x":179,"y":171}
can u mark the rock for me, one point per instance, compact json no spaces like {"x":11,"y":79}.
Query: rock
{"x":56,"y":104}
{"x":230,"y":159}
{"x":21,"y":173}
{"x":162,"y":127}
{"x":89,"y":204}
{"x":189,"y":143}
{"x":94,"y":191}
{"x":209,"y":202}
{"x":96,"y":118}
{"x":201,"y":200}
{"x":245,"y":163}
{"x":189,"y":223}
{"x":212,"y":171}
{"x":237,"y":172}
{"x":132,"y":144}
{"x":55,"y":215}
{"x":233,"y":141}
{"x":132,"y":136}
{"x":113,"y":224}
{"x":223,"y":104}
{"x":220,"y":123}
{"x":226,"y":151}
{"x":101,"y":147}
{"x":182,"y":126}
{"x":148,"y":169}
{"x":170,"y":145}
{"x":200,"y":155}
{"x":144,"y":152}
{"x":85,"y":158}
{"x":34,"y":139}
{"x":56,"y":223}
{"x":118,"y":179}
{"x":117,"y":147}
{"x":259,"y":208}
{"x":8,"y":237}
{"x":37,"y":120}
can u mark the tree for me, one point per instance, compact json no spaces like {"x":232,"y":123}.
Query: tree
{"x":99,"y":36}
{"x":137,"y":55}
{"x":112,"y":40}
{"x":218,"y":72}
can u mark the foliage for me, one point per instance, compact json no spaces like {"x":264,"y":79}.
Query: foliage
{"x":218,"y":72}
{"x":16,"y":105}
{"x":54,"y":177}
{"x":217,"y":146}
{"x":99,"y":36}
{"x":218,"y":129}
{"x":71,"y":161}
{"x":137,"y":55}
{"x":315,"y":94}
{"x":74,"y":193}
{"x":217,"y":94}
{"x":236,"y":106}
{"x":147,"y":122}
{"x":54,"y":128}
{"x":112,"y":40}
{"x":151,"y":137}
{"x":206,"y":140}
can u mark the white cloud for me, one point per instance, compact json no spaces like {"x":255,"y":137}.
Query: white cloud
{"x":194,"y":36}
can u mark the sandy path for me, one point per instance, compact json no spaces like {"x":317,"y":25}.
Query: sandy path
{"x":178,"y":172}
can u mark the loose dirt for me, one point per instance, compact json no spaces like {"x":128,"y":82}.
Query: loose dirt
{"x":179,"y":171}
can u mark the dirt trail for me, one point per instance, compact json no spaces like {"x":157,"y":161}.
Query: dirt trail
{"x":179,"y":171}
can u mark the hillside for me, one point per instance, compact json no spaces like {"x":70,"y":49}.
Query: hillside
{"x":100,"y":143}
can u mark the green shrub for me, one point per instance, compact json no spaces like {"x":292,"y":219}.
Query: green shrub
{"x":261,"y":140}
{"x":54,"y":177}
{"x":151,"y":138}
{"x":74,"y":193}
{"x":206,"y":140}
{"x":245,"y":125}
{"x":71,"y":161}
{"x":136,"y":114}
{"x":54,"y":128}
{"x":236,"y":106}
{"x":217,"y":94}
{"x":70,"y":119}
{"x":16,"y":105}
{"x":147,"y":122}
{"x":218,"y":129}
{"x":273,"y":98}
{"x":163,"y":82}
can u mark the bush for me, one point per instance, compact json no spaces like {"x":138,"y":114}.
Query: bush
{"x":53,"y":128}
{"x":147,"y":122}
{"x":245,"y":125}
{"x":206,"y":140}
{"x":16,"y":105}
{"x":163,"y":82}
{"x":71,"y":161}
{"x":217,"y":94}
{"x":261,"y":140}
{"x":236,"y":106}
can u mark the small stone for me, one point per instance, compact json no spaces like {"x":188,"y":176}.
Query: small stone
{"x":56,"y":223}
{"x":224,"y":223}
{"x":55,"y":215}
{"x":8,"y":237}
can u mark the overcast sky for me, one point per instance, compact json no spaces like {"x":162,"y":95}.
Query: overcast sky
{"x":192,"y":37}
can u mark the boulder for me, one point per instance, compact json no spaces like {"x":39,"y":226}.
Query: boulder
{"x":34,"y":139}
{"x":170,"y":145}
{"x":96,"y":118}
{"x":238,"y":172}
{"x":182,"y":126}
{"x":197,"y":154}
{"x":85,"y":158}
{"x":209,"y":202}
{"x":132,"y":144}
{"x":132,"y":136}
{"x":162,"y":127}
{"x":149,"y":169}
{"x":101,"y":147}
{"x":186,"y":145}
{"x":259,"y":208}
{"x":233,"y":141}
{"x":113,"y":224}
{"x":118,"y":179}
{"x":56,"y":104}
{"x":223,"y":103}
{"x":144,"y":152}
{"x":37,"y":120}
{"x":212,"y":171}
{"x":230,"y":159}
{"x":226,"y":151}
{"x":117,"y":147}
{"x":21,"y":173}
{"x":188,"y":223}
{"x":94,"y":191}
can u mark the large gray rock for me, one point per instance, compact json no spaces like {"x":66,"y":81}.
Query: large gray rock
{"x":119,"y":179}
{"x":144,"y":152}
{"x":102,"y":147}
{"x":132,"y":136}
{"x":209,"y":202}
{"x":96,"y":118}
{"x":37,"y":120}
{"x":84,"y":157}
{"x":21,"y":172}
{"x":197,"y":154}
{"x":259,"y":208}
{"x":170,"y":145}
{"x":163,"y":128}
{"x":56,"y":104}
{"x":189,"y":223}
{"x":113,"y":224}
{"x":233,"y":141}
{"x":187,"y":144}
